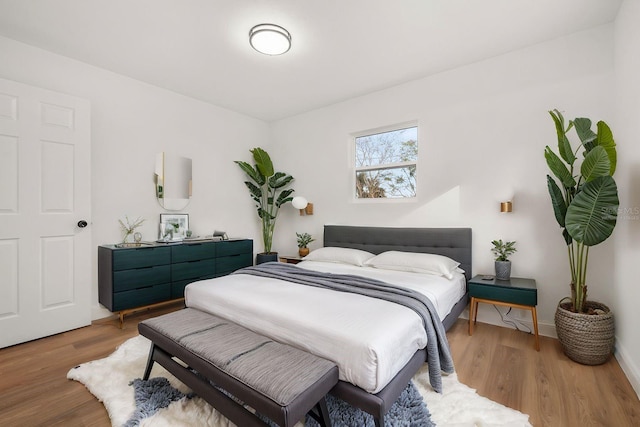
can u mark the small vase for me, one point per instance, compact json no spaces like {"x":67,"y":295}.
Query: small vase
{"x":303,"y":252}
{"x":503,"y":270}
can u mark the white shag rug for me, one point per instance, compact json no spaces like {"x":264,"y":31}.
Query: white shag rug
{"x":108,"y":380}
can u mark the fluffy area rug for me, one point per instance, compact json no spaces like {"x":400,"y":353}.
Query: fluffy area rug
{"x":165,"y":401}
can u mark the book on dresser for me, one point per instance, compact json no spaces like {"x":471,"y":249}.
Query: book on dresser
{"x":130,"y":278}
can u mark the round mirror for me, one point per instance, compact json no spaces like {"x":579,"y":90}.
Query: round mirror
{"x":173,"y":181}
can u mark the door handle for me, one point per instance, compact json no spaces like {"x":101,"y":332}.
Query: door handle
{"x":82,"y":223}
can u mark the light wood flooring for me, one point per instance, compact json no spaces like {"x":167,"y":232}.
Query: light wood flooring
{"x":500,"y":363}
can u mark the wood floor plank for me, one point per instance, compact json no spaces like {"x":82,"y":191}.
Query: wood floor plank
{"x":500,"y":363}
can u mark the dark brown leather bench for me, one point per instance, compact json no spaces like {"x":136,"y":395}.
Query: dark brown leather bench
{"x":280,"y":382}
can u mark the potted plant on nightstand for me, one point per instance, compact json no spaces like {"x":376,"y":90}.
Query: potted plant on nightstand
{"x":585,"y":203}
{"x":303,"y":240}
{"x":267,"y":189}
{"x":503,"y":250}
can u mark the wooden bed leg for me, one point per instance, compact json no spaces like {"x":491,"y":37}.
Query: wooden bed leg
{"x":150,"y":361}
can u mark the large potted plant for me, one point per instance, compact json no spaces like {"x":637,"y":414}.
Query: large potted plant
{"x":267,"y":189}
{"x":585,"y":203}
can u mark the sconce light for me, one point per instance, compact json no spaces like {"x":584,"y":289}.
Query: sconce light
{"x":303,"y":205}
{"x":506,"y":206}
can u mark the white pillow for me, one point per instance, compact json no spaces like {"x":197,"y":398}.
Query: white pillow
{"x":415,"y":262}
{"x":340,"y":255}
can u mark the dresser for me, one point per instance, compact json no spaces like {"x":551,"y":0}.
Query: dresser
{"x":132,"y":278}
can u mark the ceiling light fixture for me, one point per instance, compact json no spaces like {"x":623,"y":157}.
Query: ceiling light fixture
{"x":270,"y":39}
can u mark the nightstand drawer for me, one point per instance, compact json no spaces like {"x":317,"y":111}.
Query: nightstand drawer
{"x":193,"y":252}
{"x":125,"y":259}
{"x":511,"y":295}
{"x":140,"y":277}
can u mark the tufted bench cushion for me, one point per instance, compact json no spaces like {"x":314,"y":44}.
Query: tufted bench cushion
{"x":280,"y":382}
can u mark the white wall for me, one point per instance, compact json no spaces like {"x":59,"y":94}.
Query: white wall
{"x":482,"y":129}
{"x":626,"y":292}
{"x":132,"y":121}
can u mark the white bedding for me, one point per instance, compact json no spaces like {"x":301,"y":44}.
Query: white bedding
{"x":369,"y":339}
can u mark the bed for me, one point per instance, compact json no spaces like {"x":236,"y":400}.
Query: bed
{"x":372,"y":377}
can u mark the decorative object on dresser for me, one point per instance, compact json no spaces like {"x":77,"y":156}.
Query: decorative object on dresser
{"x":303,"y":241}
{"x":132,"y":278}
{"x":129,"y":228}
{"x":585,"y":204}
{"x":173,"y":227}
{"x":503,"y":250}
{"x":514,"y":292}
{"x":267,"y":189}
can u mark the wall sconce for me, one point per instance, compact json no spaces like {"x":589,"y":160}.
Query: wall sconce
{"x":303,"y":205}
{"x":506,"y":201}
{"x":506,"y":206}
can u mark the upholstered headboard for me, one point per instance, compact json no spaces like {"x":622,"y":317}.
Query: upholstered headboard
{"x":454,"y":243}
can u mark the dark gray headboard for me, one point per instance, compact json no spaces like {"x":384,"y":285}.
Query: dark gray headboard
{"x":454,"y":243}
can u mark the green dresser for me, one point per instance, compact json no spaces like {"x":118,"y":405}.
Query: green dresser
{"x":130,"y":278}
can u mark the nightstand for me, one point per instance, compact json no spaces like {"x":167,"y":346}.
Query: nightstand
{"x":290,"y":259}
{"x":516,"y":292}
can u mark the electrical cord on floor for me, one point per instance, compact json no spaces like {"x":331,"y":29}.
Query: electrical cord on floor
{"x":508,"y":320}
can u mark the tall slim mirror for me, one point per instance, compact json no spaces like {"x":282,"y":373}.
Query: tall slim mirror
{"x":173,"y":181}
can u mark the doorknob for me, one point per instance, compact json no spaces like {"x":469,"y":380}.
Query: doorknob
{"x":82,"y":223}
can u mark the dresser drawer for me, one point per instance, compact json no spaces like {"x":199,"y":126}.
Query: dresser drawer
{"x":234,"y":247}
{"x":125,"y":259}
{"x":125,"y":280}
{"x":193,"y":252}
{"x":227,"y":264}
{"x":193,"y":269}
{"x":140,"y":297}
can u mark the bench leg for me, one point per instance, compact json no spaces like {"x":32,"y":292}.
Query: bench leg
{"x":379,"y":422}
{"x":150,"y":362}
{"x":323,"y":413}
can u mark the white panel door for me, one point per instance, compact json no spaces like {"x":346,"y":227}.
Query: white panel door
{"x":45,"y":256}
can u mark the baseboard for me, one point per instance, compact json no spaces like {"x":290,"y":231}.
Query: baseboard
{"x":628,"y":367}
{"x":487,"y":314}
{"x":99,"y":312}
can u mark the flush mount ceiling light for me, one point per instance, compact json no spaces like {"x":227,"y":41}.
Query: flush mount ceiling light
{"x":270,"y":39}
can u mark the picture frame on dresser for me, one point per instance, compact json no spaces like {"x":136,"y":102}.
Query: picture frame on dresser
{"x":176,"y":224}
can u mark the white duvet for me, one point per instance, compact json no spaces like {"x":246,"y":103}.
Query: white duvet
{"x":369,"y":339}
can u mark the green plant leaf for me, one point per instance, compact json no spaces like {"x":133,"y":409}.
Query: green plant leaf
{"x":564,"y":146}
{"x":284,"y":197}
{"x":557,"y":201}
{"x":254,"y":174}
{"x":263,"y":161}
{"x":558,"y":168}
{"x":605,"y":140}
{"x":279,"y":180}
{"x":256,"y":192}
{"x":595,"y":164}
{"x":586,"y":135}
{"x":591,"y":216}
{"x":567,"y":237}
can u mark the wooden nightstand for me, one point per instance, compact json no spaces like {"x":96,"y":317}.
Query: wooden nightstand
{"x":290,"y":259}
{"x":516,"y":292}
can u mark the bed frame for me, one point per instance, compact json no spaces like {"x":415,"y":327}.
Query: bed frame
{"x":454,"y":243}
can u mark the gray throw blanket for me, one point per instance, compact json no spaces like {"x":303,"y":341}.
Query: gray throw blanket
{"x":438,"y":353}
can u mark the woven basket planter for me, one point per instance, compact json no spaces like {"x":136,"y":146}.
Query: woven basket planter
{"x":586,"y":338}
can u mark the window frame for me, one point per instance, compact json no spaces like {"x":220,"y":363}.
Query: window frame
{"x":356,"y":169}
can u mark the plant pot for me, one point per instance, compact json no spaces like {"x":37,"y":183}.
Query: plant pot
{"x":503,"y":270}
{"x":586,"y":338}
{"x":303,"y":251}
{"x":266,"y":257}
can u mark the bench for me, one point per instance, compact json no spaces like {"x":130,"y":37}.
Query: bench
{"x":278,"y":381}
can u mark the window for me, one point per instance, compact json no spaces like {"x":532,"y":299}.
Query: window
{"x":386,"y":164}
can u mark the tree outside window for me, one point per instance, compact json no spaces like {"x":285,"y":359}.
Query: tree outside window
{"x":386,"y":164}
